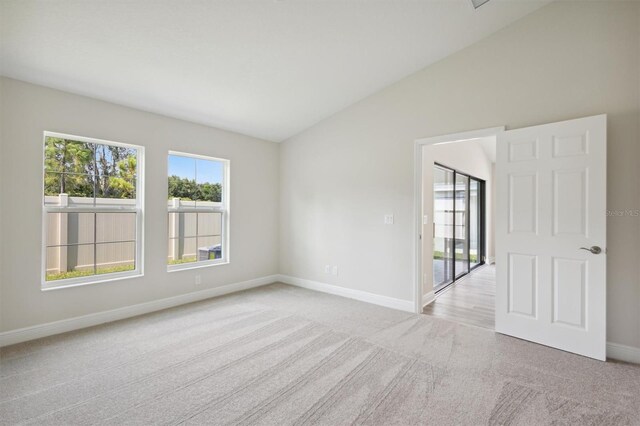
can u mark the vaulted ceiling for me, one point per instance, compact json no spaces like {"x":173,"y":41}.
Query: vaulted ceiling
{"x":267,"y":68}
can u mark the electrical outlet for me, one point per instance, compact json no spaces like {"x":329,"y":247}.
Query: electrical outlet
{"x":334,"y":271}
{"x":388,"y":219}
{"x":198,"y":279}
{"x":327,"y":269}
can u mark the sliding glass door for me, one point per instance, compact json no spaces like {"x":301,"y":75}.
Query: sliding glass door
{"x":442,"y":226}
{"x":461,"y":228}
{"x":458,"y":231}
{"x":475,"y":225}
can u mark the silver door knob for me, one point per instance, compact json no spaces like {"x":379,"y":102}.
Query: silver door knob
{"x":593,"y":249}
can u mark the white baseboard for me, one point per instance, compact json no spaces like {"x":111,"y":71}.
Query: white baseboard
{"x":48,"y":329}
{"x":428,"y":298}
{"x":623,"y":353}
{"x":363,"y":296}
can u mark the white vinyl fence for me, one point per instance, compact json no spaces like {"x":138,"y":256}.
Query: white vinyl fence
{"x":192,"y":230}
{"x":75,"y":240}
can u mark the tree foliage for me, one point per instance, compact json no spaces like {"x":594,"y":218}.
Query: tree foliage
{"x":83,"y":169}
{"x":188,"y":189}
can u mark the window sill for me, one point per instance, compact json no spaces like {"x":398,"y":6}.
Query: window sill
{"x":195,"y":265}
{"x":88,"y":281}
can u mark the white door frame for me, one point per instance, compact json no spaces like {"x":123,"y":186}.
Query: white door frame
{"x":418,"y":191}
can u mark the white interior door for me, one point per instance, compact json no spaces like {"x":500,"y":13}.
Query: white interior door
{"x":551,"y":209}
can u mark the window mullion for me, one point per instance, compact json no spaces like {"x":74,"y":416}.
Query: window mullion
{"x":56,"y":209}
{"x":95,"y":243}
{"x":193,"y":210}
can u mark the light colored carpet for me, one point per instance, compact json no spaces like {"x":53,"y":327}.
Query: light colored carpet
{"x":281,"y":355}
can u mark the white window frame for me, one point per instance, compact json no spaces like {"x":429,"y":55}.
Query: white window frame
{"x":138,"y":209}
{"x":222,"y":207}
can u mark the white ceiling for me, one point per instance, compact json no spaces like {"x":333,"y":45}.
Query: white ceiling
{"x":264,"y":68}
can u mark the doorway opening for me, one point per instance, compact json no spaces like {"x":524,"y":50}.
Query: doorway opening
{"x":456,"y":278}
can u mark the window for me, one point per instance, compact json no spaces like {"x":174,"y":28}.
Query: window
{"x":198,"y":211}
{"x":92,"y":210}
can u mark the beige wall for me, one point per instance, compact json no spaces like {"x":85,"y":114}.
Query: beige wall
{"x":466,"y":157}
{"x":338,"y":179}
{"x":28,"y":110}
{"x":2,"y":203}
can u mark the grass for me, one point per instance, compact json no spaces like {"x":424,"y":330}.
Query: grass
{"x":89,"y":272}
{"x":189,"y":259}
{"x":440,"y":256}
{"x":112,"y":269}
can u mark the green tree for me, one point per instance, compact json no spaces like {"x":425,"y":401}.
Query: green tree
{"x":69,"y":167}
{"x":211,"y":192}
{"x":85,"y":169}
{"x":123,"y":185}
{"x":110,"y":173}
{"x":188,"y":190}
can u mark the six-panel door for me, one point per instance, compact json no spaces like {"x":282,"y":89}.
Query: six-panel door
{"x":551,"y":207}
